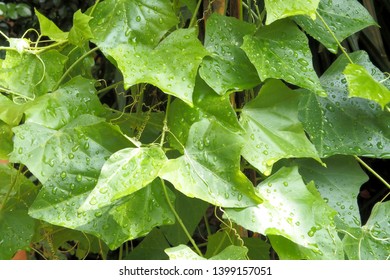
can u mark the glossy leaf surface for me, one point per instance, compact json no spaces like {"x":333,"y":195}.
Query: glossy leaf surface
{"x":278,"y":9}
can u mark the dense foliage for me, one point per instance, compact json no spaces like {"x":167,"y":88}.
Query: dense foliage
{"x":212,"y":137}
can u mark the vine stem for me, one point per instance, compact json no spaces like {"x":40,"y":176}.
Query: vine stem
{"x":179,"y":220}
{"x":73,"y":65}
{"x":193,"y":19}
{"x":372,"y":171}
{"x":165,"y":123}
{"x":334,"y":37}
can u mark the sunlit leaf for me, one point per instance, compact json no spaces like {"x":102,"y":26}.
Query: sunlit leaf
{"x":361,"y":84}
{"x":210,"y":167}
{"x":278,"y":9}
{"x":344,"y":18}
{"x":291,"y":210}
{"x":182,"y":252}
{"x":49,"y":28}
{"x":80,"y":31}
{"x":10,"y":113}
{"x":272,"y":128}
{"x":281,"y":51}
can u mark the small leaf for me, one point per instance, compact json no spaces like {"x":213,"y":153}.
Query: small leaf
{"x":23,"y":10}
{"x":125,"y":172}
{"x":361,"y":84}
{"x":349,"y":14}
{"x":228,"y":68}
{"x":291,"y":211}
{"x":278,"y":9}
{"x":232,"y":253}
{"x":6,"y":140}
{"x":182,"y":252}
{"x":210,"y":167}
{"x":80,"y":31}
{"x":10,"y":113}
{"x":272,"y":128}
{"x":50,"y":29}
{"x":281,"y":51}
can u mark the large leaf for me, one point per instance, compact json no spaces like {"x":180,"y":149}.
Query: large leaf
{"x":228,"y":68}
{"x":278,"y":9}
{"x":16,"y":226}
{"x":338,"y":189}
{"x":272,"y":128}
{"x":361,"y":84}
{"x":370,"y":242}
{"x":342,"y":125}
{"x":293,"y":211}
{"x":281,"y":51}
{"x":210,"y":167}
{"x":80,"y":143}
{"x":29,"y":75}
{"x":124,"y":173}
{"x":58,"y":108}
{"x":344,"y":18}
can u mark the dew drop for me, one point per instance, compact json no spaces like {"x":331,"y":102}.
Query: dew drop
{"x":63,"y":174}
{"x":93,"y":201}
{"x":79,"y":178}
{"x":138,"y":18}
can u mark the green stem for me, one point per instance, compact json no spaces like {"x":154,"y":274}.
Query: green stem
{"x":72,"y":66}
{"x":334,"y":37}
{"x":11,"y":187}
{"x":165,"y":123}
{"x":206,"y":222}
{"x":179,"y":220}
{"x":106,"y":89}
{"x":94,"y":7}
{"x":372,"y":171}
{"x":193,"y":19}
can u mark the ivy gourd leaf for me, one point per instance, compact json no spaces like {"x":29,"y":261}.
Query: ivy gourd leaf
{"x":337,"y":189}
{"x":182,"y":252}
{"x":232,"y":253}
{"x":228,"y":68}
{"x":80,"y":31}
{"x":28,"y":76}
{"x":278,"y":9}
{"x":207,"y":104}
{"x":16,"y":226}
{"x":269,"y":53}
{"x":370,"y":242}
{"x":58,"y":108}
{"x":143,"y":64}
{"x":50,"y":29}
{"x":272,"y":128}
{"x":341,"y":125}
{"x":210,"y":167}
{"x":83,"y":67}
{"x":6,"y":140}
{"x":126,"y":171}
{"x":349,"y":14}
{"x":291,"y":210}
{"x":10,"y":113}
{"x":42,"y":149}
{"x":361,"y":84}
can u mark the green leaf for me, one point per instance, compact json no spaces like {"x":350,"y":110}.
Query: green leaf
{"x":28,"y":75}
{"x":370,"y":242}
{"x":341,"y":125}
{"x":344,"y":18}
{"x":23,"y":10}
{"x":6,"y":141}
{"x":339,"y":184}
{"x":84,"y":67}
{"x":232,"y":253}
{"x":178,"y":57}
{"x":258,"y":249}
{"x":292,"y":211}
{"x":49,"y":28}
{"x":210,"y":167}
{"x":361,"y":84}
{"x":58,"y":108}
{"x":125,"y":172}
{"x":272,"y":128}
{"x":278,"y":9}
{"x":182,"y":252}
{"x":16,"y":226}
{"x":10,"y":112}
{"x":78,"y":143}
{"x":80,"y":31}
{"x":220,"y":240}
{"x":228,"y":68}
{"x":281,"y":51}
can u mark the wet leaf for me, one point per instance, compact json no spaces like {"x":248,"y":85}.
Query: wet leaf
{"x":228,"y":68}
{"x":362,"y":84}
{"x":80,"y":31}
{"x":182,"y":252}
{"x":125,"y":172}
{"x":278,"y":9}
{"x":370,"y":242}
{"x":6,"y":140}
{"x":210,"y":167}
{"x":337,"y":189}
{"x":281,"y":51}
{"x":10,"y":112}
{"x":272,"y":128}
{"x":344,"y":18}
{"x":291,"y":210}
{"x":341,"y":125}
